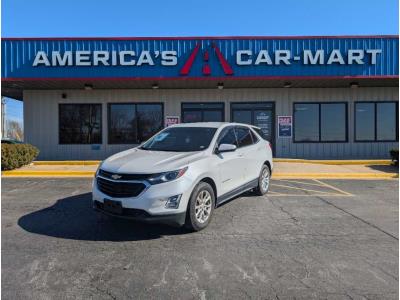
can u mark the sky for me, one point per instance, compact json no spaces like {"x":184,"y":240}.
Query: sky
{"x":118,"y":18}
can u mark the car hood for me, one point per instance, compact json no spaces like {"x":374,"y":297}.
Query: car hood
{"x":148,"y":162}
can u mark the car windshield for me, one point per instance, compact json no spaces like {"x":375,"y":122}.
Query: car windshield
{"x":181,"y":139}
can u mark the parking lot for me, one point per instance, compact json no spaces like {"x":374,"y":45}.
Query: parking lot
{"x":308,"y":239}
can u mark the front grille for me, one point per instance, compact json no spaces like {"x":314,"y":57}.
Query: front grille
{"x":107,"y":174}
{"x":120,"y":189}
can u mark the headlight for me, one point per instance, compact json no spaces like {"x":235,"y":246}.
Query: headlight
{"x":98,"y":168}
{"x":167,"y":176}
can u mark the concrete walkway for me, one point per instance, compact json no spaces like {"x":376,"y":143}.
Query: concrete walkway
{"x":282,"y":170}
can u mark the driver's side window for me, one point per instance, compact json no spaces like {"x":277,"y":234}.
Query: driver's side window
{"x":228,"y":137}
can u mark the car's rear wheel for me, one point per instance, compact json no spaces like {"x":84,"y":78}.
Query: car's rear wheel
{"x":200,"y":207}
{"x":263,"y":181}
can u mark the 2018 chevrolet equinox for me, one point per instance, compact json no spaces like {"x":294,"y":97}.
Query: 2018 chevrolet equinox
{"x":182,"y":173}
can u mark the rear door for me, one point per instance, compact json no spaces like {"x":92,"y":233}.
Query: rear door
{"x":248,"y":152}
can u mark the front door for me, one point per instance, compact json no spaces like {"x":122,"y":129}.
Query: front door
{"x":260,"y":114}
{"x":230,"y":164}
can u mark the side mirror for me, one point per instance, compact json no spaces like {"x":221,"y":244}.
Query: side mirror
{"x":226,"y":148}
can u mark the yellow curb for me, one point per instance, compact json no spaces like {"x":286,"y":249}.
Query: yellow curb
{"x":335,"y":175}
{"x":285,"y":160}
{"x":336,"y":162}
{"x":67,"y":163}
{"x":47,"y":173}
{"x":275,"y":175}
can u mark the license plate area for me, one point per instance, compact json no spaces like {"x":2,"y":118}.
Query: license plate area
{"x":112,"y":206}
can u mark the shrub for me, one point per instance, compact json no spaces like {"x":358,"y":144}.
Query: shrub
{"x":394,"y":153}
{"x":17,"y":155}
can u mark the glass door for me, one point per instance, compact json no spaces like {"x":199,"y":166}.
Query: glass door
{"x":260,"y":114}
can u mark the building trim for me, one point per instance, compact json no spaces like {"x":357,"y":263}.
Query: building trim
{"x":291,"y":37}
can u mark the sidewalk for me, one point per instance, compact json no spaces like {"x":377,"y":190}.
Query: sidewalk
{"x":282,"y":170}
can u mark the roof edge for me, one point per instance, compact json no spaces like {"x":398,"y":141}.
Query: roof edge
{"x":201,"y":37}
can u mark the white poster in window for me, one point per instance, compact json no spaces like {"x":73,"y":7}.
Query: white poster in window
{"x":171,"y":120}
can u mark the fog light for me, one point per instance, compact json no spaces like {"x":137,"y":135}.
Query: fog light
{"x":173,"y":202}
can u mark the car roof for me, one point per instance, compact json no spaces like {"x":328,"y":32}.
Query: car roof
{"x":211,"y":124}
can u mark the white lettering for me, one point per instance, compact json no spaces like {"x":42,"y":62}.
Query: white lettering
{"x":113,"y":58}
{"x":335,"y":57}
{"x":168,"y":58}
{"x":263,"y":57}
{"x":122,"y":60}
{"x":82,"y":58}
{"x":282,"y":55}
{"x":101,"y":56}
{"x":66,"y":59}
{"x":145,"y":58}
{"x":374,"y":53}
{"x":41,"y":58}
{"x":318,"y":58}
{"x":355,"y":55}
{"x":240,"y":61}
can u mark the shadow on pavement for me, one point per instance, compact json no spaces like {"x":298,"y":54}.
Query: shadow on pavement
{"x":385,"y":168}
{"x":74,"y":218}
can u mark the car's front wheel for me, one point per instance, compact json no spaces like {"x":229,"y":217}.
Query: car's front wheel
{"x":200,"y":207}
{"x":263,"y":181}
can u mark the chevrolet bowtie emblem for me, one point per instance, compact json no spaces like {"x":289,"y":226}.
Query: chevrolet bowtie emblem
{"x":116,"y":176}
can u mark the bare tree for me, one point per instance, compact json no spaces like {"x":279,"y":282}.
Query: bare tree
{"x":15,"y":131}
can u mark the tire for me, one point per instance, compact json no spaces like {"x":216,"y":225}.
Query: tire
{"x":202,"y":193}
{"x":262,"y":189}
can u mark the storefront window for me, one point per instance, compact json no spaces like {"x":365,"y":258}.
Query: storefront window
{"x":150,"y":120}
{"x":386,"y":121}
{"x":320,"y":122}
{"x":376,"y":121}
{"x":131,"y":123}
{"x":306,"y":119}
{"x":202,"y":112}
{"x":333,"y":122}
{"x":365,"y":121}
{"x":80,"y":123}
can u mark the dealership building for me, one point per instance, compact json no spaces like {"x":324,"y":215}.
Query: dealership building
{"x":313,"y":97}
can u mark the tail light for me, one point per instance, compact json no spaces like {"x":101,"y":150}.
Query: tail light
{"x":269,"y":145}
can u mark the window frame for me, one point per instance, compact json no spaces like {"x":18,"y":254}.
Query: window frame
{"x":202,"y":110}
{"x":375,"y":140}
{"x":80,"y":103}
{"x":319,"y":103}
{"x":137,"y":123}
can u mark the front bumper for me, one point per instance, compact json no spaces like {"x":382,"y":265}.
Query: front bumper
{"x":143,"y":216}
{"x":149,"y":206}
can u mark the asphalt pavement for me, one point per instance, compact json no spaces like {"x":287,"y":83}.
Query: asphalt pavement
{"x":308,"y":239}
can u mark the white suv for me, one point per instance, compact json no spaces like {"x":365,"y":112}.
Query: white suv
{"x":182,"y":173}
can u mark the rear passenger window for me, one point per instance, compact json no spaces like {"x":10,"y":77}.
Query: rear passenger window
{"x":243,"y":136}
{"x":253,"y":135}
{"x":228,"y":138}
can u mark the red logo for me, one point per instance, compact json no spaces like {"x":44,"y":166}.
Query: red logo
{"x":206,"y":67}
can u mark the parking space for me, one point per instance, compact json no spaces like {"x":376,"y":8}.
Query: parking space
{"x":310,"y":188}
{"x":308,"y":239}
